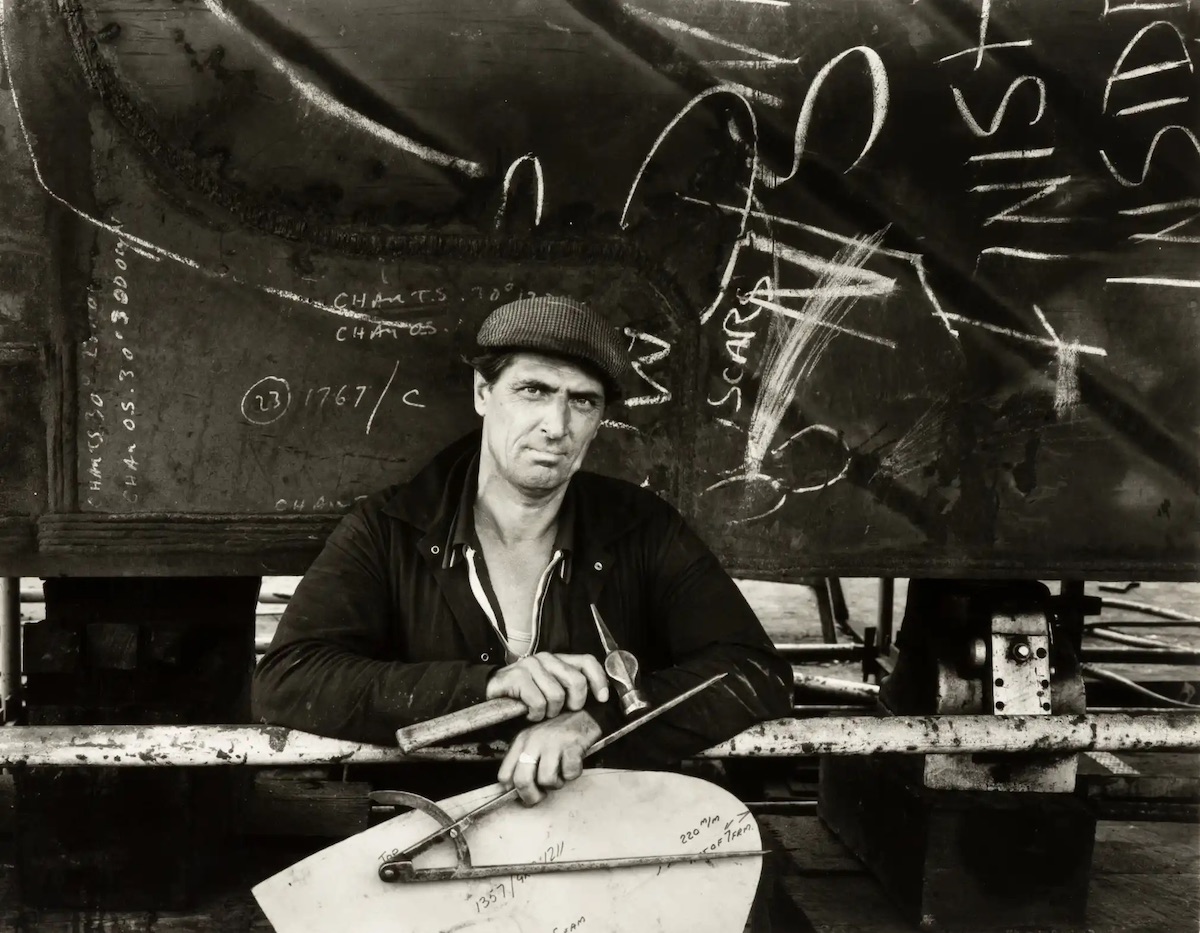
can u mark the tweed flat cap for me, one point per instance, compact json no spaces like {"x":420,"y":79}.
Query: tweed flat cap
{"x":557,"y":325}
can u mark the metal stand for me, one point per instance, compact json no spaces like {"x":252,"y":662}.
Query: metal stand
{"x":10,"y":648}
{"x":989,"y":841}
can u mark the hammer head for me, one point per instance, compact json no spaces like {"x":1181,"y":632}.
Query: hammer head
{"x":622,"y":670}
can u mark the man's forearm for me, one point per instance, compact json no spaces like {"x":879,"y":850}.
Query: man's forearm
{"x":327,"y":690}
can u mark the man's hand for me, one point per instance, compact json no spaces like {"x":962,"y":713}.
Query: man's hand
{"x":547,"y":682}
{"x":548,"y":755}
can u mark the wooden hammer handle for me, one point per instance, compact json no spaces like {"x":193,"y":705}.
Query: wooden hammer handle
{"x":460,"y":722}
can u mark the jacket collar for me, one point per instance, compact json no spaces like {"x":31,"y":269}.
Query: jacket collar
{"x":430,"y":501}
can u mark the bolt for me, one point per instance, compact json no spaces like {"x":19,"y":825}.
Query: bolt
{"x":388,"y":873}
{"x":1000,"y":705}
{"x":1020,"y":652}
{"x":999,"y":681}
{"x":1041,"y":652}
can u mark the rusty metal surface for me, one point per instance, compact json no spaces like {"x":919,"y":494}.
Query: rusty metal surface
{"x":160,"y":746}
{"x":959,"y":341}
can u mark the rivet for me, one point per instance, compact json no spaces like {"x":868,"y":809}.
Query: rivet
{"x":435,"y":550}
{"x":598,"y":565}
{"x":484,"y":656}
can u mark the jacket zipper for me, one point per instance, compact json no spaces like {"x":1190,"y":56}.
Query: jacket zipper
{"x":539,"y":599}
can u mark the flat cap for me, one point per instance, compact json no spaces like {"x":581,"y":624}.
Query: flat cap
{"x":557,"y":325}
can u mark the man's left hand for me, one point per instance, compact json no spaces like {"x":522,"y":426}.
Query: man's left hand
{"x":548,"y":754}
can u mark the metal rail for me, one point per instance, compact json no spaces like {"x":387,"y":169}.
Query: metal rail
{"x":166,"y":746}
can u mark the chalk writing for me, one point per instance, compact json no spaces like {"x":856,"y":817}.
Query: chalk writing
{"x":342,"y":395}
{"x":93,"y":413}
{"x":420,"y":297}
{"x":126,"y":407}
{"x":571,"y":927}
{"x":267,"y":400}
{"x":320,"y":504}
{"x":394,"y":330}
{"x":639,"y":363}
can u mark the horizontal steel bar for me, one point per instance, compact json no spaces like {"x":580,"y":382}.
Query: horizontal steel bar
{"x":273,"y":746}
{"x":820,"y":652}
{"x":1166,"y":655}
{"x":835,"y":686}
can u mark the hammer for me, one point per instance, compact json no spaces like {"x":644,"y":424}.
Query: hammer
{"x":620,"y":665}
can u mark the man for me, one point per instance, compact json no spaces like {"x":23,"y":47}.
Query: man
{"x":476,"y":580}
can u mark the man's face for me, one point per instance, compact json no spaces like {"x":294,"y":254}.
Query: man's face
{"x":539,"y":418}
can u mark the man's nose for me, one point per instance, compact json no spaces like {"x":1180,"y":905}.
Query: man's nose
{"x":555,"y":417}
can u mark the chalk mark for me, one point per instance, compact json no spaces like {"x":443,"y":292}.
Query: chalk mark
{"x":379,"y":400}
{"x":140,"y":246}
{"x":540,"y":189}
{"x":663,"y":394}
{"x":1145,"y":70}
{"x":1154,"y":280}
{"x":322,"y":100}
{"x":679,"y":26}
{"x":795,"y":347}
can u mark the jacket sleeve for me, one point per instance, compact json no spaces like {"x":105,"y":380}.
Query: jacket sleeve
{"x":701,"y":624}
{"x":330,"y":668}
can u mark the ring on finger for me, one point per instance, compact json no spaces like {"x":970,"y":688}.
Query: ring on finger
{"x":526,"y":759}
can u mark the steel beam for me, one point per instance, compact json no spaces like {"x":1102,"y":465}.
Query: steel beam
{"x":165,"y":746}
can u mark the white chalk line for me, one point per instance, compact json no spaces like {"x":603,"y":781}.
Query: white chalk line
{"x":1160,"y":206}
{"x":977,"y":128}
{"x":323,"y":101}
{"x":1112,"y":169}
{"x":1118,"y":75}
{"x":1028,"y":338}
{"x":879,"y":107}
{"x":147,"y":250}
{"x":1022,"y":253}
{"x":680,"y":26}
{"x":850,"y":292}
{"x":1019,"y":44}
{"x":1051,"y":183}
{"x":1009,"y":214}
{"x":1154,"y":280}
{"x":1137,"y":7}
{"x":379,"y":401}
{"x":752,"y":93}
{"x":749,"y":64}
{"x":1152,"y":105}
{"x":1163,"y":235}
{"x":619,"y":426}
{"x":1013,"y":154}
{"x":916,"y":260}
{"x":666,"y":131}
{"x":783,"y":3}
{"x":867,"y":283}
{"x":797,"y":348}
{"x":540,"y":188}
{"x":638,"y":366}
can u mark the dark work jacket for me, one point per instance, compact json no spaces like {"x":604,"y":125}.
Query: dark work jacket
{"x":380,"y":634}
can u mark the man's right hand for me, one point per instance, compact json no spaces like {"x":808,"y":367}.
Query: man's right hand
{"x":547,"y":683}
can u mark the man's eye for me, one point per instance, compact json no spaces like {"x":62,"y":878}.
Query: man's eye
{"x":585,"y":404}
{"x":531,"y":391}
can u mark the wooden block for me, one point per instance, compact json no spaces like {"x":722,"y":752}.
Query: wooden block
{"x":50,"y":649}
{"x":112,"y":646}
{"x":285,"y":806}
{"x":983,"y":859}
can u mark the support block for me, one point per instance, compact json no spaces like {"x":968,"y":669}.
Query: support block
{"x":133,"y":651}
{"x":954,"y":860}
